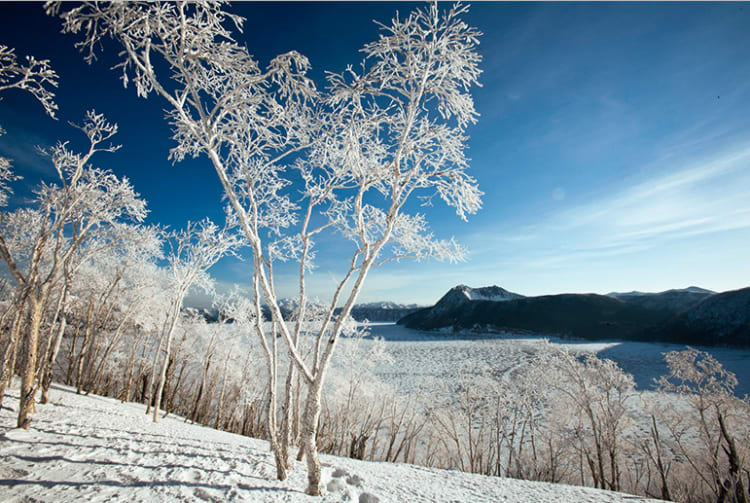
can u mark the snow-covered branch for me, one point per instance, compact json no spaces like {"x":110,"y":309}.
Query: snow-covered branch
{"x":35,"y":76}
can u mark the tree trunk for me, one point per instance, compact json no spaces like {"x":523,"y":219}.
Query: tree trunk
{"x":162,"y":376}
{"x":85,"y":346}
{"x":31,"y":346}
{"x":733,"y":483}
{"x":281,"y":462}
{"x":82,"y":357}
{"x":125,"y":394}
{"x":169,"y":335}
{"x":50,"y":362}
{"x":297,"y":418}
{"x":149,"y":389}
{"x":665,"y":495}
{"x":96,"y":375}
{"x":71,"y":355}
{"x":10,"y":351}
{"x":199,"y":394}
{"x":54,"y":341}
{"x":220,"y":408}
{"x":309,"y":436}
{"x":176,"y":387}
{"x":287,"y":411}
{"x":131,"y":380}
{"x":164,"y":404}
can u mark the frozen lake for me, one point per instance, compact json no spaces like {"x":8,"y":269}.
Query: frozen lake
{"x":421,"y":359}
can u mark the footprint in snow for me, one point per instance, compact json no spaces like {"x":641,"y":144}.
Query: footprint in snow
{"x":203,"y":494}
{"x":355,"y":480}
{"x":339,"y":472}
{"x":128,"y":480}
{"x":352,"y":480}
{"x":12,"y":473}
{"x":335,"y":485}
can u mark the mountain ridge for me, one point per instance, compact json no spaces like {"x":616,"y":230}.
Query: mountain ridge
{"x":692,"y":315}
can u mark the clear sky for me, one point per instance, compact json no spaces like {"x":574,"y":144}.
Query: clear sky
{"x":613,"y":144}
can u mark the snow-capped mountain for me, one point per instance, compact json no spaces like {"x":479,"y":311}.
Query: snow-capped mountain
{"x":457,"y":300}
{"x":493,"y":293}
{"x":461,"y":294}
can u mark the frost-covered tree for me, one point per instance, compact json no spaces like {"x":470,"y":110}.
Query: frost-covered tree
{"x":108,"y":283}
{"x":148,"y":323}
{"x":18,"y":230}
{"x":355,"y":401}
{"x":601,"y":393}
{"x":220,"y":103}
{"x":193,"y":251}
{"x":82,"y":203}
{"x":712,"y":434}
{"x":389,"y":132}
{"x":36,"y":77}
{"x":210,"y":334}
{"x":397,"y":132}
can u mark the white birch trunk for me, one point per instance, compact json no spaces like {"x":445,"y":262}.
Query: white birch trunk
{"x":31,"y":346}
{"x":49,"y":364}
{"x":163,"y":374}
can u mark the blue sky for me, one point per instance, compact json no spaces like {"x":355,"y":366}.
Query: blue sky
{"x":613,"y":144}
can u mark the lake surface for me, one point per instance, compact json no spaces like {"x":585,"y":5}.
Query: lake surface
{"x":422,"y":360}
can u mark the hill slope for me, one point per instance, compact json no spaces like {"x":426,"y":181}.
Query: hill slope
{"x":670,"y":302}
{"x":382,"y":311}
{"x":723,"y":318}
{"x":96,"y":449}
{"x":691,"y":315}
{"x":577,"y":315}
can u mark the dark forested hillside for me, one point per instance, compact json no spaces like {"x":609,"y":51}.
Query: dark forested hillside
{"x":692,"y":315}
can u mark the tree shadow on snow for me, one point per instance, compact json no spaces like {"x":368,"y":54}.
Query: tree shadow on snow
{"x":138,"y":483}
{"x":199,"y":452}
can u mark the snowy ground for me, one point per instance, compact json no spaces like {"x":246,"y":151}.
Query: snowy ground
{"x":97,"y":449}
{"x":422,"y":358}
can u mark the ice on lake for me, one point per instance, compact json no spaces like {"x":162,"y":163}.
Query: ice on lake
{"x":419,"y":358}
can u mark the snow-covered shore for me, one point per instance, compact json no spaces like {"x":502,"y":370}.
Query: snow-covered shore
{"x":96,"y":449}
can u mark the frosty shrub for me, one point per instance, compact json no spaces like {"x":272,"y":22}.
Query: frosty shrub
{"x":709,"y":431}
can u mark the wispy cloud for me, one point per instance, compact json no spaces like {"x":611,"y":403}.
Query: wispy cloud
{"x":21,"y":150}
{"x":688,"y":200}
{"x":703,"y":197}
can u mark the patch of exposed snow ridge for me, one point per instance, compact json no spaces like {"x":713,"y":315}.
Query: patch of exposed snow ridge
{"x":90,"y":448}
{"x":493,"y":293}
